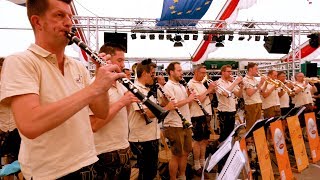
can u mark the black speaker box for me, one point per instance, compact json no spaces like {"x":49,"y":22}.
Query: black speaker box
{"x":116,"y":38}
{"x":278,"y":44}
{"x":311,"y":69}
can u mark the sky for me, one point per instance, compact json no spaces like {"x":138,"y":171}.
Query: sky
{"x":13,"y":16}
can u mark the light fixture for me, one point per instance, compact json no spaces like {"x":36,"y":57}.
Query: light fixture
{"x":142,"y":36}
{"x":219,"y":44}
{"x":230,"y":38}
{"x":222,"y":37}
{"x":257,"y":38}
{"x":133,"y":36}
{"x":265,"y":38}
{"x":206,"y":37}
{"x":152,"y":36}
{"x":177,"y":44}
{"x":214,"y":38}
{"x":195,"y":37}
{"x":161,"y":36}
{"x":250,"y":37}
{"x":169,"y":36}
{"x":241,"y":38}
{"x":177,"y":37}
{"x":186,"y":37}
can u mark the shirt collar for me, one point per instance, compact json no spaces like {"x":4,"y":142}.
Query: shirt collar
{"x":176,"y":83}
{"x":138,"y":83}
{"x":44,"y":53}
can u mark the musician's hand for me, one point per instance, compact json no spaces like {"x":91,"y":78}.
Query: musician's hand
{"x":103,"y":56}
{"x":191,"y":97}
{"x":263,"y":79}
{"x":212,"y":86}
{"x":129,"y":98}
{"x":170,"y":106}
{"x":105,"y":76}
{"x":238,"y":79}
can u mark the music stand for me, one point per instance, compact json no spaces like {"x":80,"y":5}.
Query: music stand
{"x":258,"y":124}
{"x":271,"y":120}
{"x":294,"y":111}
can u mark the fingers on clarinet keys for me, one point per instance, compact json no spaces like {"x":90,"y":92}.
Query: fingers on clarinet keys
{"x":186,"y":124}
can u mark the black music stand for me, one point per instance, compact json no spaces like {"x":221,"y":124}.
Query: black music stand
{"x":271,"y":120}
{"x":294,"y":111}
{"x":258,"y":124}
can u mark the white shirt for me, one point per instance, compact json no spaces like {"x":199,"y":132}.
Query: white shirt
{"x":284,"y":100}
{"x":199,"y":88}
{"x":177,"y":91}
{"x":303,"y":97}
{"x":272,"y":99}
{"x":139,"y":131}
{"x":7,"y":122}
{"x":114,"y":135}
{"x":248,"y":83}
{"x":225,"y":104}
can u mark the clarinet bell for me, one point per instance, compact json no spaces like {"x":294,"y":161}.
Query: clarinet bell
{"x":163,"y":114}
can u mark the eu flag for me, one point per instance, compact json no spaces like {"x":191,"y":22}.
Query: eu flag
{"x":183,"y":12}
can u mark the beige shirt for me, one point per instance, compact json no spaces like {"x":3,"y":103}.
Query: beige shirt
{"x":284,"y":100}
{"x":272,"y":100}
{"x":67,"y":147}
{"x":303,"y":97}
{"x":178,"y":92}
{"x":195,"y":109}
{"x":225,"y":104}
{"x":114,"y":135}
{"x":139,"y":131}
{"x":248,"y":83}
{"x":7,"y":122}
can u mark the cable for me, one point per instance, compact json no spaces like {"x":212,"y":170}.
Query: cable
{"x":86,"y":8}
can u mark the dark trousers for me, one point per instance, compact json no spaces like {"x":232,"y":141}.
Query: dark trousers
{"x":227,"y":120}
{"x":147,"y":158}
{"x":85,"y":173}
{"x":114,"y":165}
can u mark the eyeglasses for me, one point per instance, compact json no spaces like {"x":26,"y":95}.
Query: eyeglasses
{"x":146,"y":61}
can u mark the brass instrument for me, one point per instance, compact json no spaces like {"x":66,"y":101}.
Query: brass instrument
{"x":276,"y":82}
{"x":298,"y":85}
{"x":221,"y":89}
{"x":286,"y":88}
{"x":312,"y":79}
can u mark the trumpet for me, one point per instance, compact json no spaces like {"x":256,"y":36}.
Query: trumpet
{"x":276,"y":83}
{"x":312,"y":79}
{"x":221,"y":89}
{"x":286,"y":88}
{"x":298,"y":85}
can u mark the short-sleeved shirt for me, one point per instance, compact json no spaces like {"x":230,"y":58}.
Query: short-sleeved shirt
{"x":114,"y":135}
{"x":225,"y":104}
{"x":178,"y":92}
{"x":249,"y":82}
{"x":67,"y":147}
{"x":303,"y":97}
{"x":272,"y":100}
{"x":199,"y":88}
{"x":284,"y":99}
{"x":7,"y":122}
{"x":139,"y":130}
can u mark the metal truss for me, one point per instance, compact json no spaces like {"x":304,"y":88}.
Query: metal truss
{"x":211,"y":73}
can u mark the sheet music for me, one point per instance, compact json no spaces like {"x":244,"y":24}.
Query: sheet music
{"x":234,"y":164}
{"x":220,"y":153}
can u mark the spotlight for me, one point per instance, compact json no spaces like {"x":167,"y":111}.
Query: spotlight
{"x":195,"y":37}
{"x":219,"y":44}
{"x":152,"y":36}
{"x":142,"y":36}
{"x":257,"y":38}
{"x":177,"y":44}
{"x":249,"y":37}
{"x":214,"y":38}
{"x":230,"y":38}
{"x":133,"y":36}
{"x":265,"y":38}
{"x":241,"y":38}
{"x":206,"y":37}
{"x":186,"y":37}
{"x":161,"y":36}
{"x":222,"y":37}
{"x":169,"y":37}
{"x":177,"y":38}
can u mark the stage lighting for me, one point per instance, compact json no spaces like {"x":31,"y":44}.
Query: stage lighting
{"x":314,"y":40}
{"x":265,"y":38}
{"x":133,"y":36}
{"x":230,"y":38}
{"x":195,"y":37}
{"x":241,"y":38}
{"x":250,"y":37}
{"x":219,"y":44}
{"x":152,"y":36}
{"x":222,"y":37}
{"x":206,"y":37}
{"x":142,"y":36}
{"x":186,"y":37}
{"x":169,"y":37}
{"x":214,"y":38}
{"x":161,"y":36}
{"x":177,"y":44}
{"x":177,"y":38}
{"x":257,"y":38}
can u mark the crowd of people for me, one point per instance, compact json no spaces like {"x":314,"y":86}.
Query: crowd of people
{"x":75,"y":127}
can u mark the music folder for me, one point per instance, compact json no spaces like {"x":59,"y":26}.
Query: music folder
{"x":294,"y":111}
{"x":258,"y":124}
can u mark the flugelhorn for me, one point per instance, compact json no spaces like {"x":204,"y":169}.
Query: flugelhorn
{"x":157,"y":110}
{"x":221,"y":89}
{"x":286,"y":88}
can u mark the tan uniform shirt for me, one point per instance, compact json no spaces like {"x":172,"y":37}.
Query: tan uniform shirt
{"x":195,"y":109}
{"x":67,"y":147}
{"x":303,"y":97}
{"x":226,"y":104}
{"x":248,"y":83}
{"x":272,"y":99}
{"x":7,"y":122}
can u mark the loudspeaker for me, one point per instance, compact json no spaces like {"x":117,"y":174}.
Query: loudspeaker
{"x":311,"y":69}
{"x":116,"y":38}
{"x":278,"y":44}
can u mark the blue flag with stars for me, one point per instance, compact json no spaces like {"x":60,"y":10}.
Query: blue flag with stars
{"x":183,"y":12}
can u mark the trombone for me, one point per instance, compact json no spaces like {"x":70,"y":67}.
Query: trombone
{"x":298,"y":85}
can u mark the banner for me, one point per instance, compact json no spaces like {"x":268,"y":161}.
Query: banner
{"x":281,"y":150}
{"x":263,"y":154}
{"x":299,"y":148}
{"x":313,"y":136}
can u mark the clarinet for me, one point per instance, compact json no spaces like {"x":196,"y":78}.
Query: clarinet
{"x":185,"y":123}
{"x":143,"y":112}
{"x":184,"y":83}
{"x":157,"y":110}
